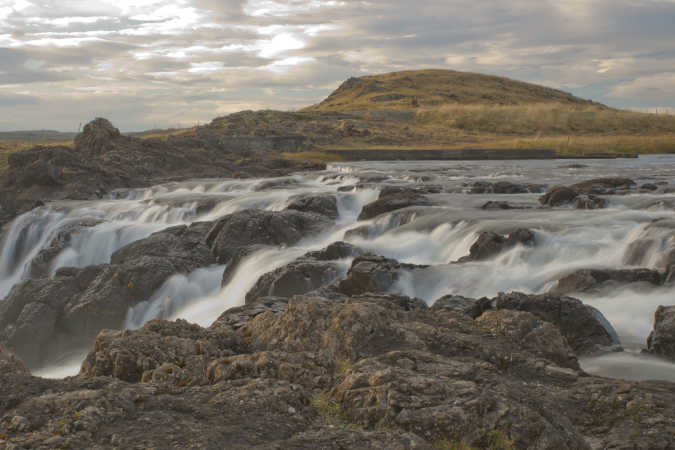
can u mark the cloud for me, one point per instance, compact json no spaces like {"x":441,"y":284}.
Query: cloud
{"x":147,"y":63}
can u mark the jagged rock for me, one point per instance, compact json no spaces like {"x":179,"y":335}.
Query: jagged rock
{"x":372,"y":273}
{"x":584,"y":327}
{"x":490,"y":244}
{"x":250,"y":227}
{"x":661,"y":340}
{"x":392,"y":199}
{"x":238,"y":317}
{"x":39,"y":317}
{"x":307,"y":273}
{"x":320,"y":204}
{"x":97,"y":137}
{"x":592,"y":280}
{"x":383,"y":224}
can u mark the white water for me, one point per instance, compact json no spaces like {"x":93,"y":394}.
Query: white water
{"x":566,"y":240}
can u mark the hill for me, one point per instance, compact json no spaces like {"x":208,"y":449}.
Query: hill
{"x":434,"y":88}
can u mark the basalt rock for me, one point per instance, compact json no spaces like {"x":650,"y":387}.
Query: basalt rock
{"x":490,"y":244}
{"x":593,"y":280}
{"x":603,"y":186}
{"x":325,"y":205}
{"x":558,"y":196}
{"x":504,"y":187}
{"x":373,"y":273}
{"x":253,"y":227}
{"x":97,"y":137}
{"x":661,"y":340}
{"x":41,"y":316}
{"x":392,"y":200}
{"x":463,"y":305}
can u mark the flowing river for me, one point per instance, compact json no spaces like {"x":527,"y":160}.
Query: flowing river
{"x":566,"y":239}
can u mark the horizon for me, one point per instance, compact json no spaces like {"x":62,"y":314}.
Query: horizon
{"x":158,"y":64}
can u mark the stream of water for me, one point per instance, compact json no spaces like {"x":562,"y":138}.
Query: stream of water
{"x":566,"y":239}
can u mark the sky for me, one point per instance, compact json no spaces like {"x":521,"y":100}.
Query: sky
{"x":158,"y":63}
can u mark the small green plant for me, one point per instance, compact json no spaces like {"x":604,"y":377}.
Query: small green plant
{"x":342,"y":366}
{"x":498,"y":440}
{"x":330,"y":410}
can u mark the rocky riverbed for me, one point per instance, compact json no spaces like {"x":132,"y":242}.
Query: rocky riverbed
{"x":521,"y":304}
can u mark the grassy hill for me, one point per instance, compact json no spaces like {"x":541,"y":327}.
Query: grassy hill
{"x":434,"y":88}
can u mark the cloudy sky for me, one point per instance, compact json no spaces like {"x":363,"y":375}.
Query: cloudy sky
{"x":161,"y":63}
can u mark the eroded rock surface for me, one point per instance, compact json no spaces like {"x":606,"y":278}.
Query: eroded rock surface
{"x":593,"y":280}
{"x":490,"y":244}
{"x":392,"y":199}
{"x":661,"y":341}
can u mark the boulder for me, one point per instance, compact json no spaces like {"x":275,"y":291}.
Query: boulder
{"x":558,"y":196}
{"x":463,"y":305}
{"x":661,"y":340}
{"x":373,"y":273}
{"x":593,"y":280}
{"x":251,"y":227}
{"x":589,"y":202}
{"x":584,"y":327}
{"x":490,"y":244}
{"x":603,"y":186}
{"x":393,"y":199}
{"x":325,"y":205}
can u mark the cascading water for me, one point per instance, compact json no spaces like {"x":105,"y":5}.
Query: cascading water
{"x":634,"y":231}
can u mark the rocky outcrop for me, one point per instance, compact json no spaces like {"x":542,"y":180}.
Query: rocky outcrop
{"x":252,"y":227}
{"x":463,"y":305}
{"x":97,"y":137}
{"x":593,"y":280}
{"x":308,"y":273}
{"x":603,"y":186}
{"x":319,"y":373}
{"x":42,"y":316}
{"x":661,"y":340}
{"x":584,"y":195}
{"x":490,"y":244}
{"x":392,"y":199}
{"x":373,"y":273}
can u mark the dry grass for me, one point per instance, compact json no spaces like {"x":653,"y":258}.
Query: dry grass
{"x":10,"y":146}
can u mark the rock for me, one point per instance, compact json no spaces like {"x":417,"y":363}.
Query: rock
{"x":593,"y":280}
{"x":490,"y":244}
{"x":504,"y":187}
{"x":238,"y":317}
{"x":463,"y":305}
{"x":325,"y":205}
{"x":336,"y":250}
{"x":494,"y":206}
{"x":661,"y":340}
{"x":391,"y":200}
{"x":589,"y":202}
{"x":603,"y":186}
{"x":558,"y":196}
{"x":250,"y":227}
{"x":649,"y":187}
{"x":372,"y":273}
{"x":580,"y":324}
{"x":97,"y":137}
{"x":41,"y":318}
{"x":385,"y":223}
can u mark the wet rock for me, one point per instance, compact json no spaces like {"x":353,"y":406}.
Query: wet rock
{"x":393,"y":199}
{"x":589,"y":202}
{"x":649,"y":187}
{"x":603,"y":186}
{"x":373,"y":273}
{"x":661,"y":340}
{"x":558,"y":196}
{"x":504,"y":187}
{"x":385,"y":223}
{"x":41,"y":317}
{"x":585,"y":329}
{"x":320,"y":204}
{"x":336,"y":250}
{"x":490,"y":244}
{"x":250,"y":227}
{"x":494,"y":206}
{"x":593,"y":280}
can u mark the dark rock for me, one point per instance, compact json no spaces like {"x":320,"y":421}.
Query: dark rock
{"x":600,"y":186}
{"x":40,"y":318}
{"x":372,"y":273}
{"x":661,"y":340}
{"x":241,"y":315}
{"x":589,"y":202}
{"x":97,"y":137}
{"x":490,"y":244}
{"x":558,"y":196}
{"x":649,"y":187}
{"x":320,"y":204}
{"x":577,"y":322}
{"x":593,"y":280}
{"x":504,"y":187}
{"x":392,"y":199}
{"x":463,"y":305}
{"x":250,"y":227}
{"x":385,"y":223}
{"x":336,"y":250}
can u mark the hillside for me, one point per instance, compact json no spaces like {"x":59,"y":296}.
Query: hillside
{"x":434,"y":88}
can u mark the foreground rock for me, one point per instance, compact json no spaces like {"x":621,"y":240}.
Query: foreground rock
{"x":366,"y":372}
{"x":594,"y":280}
{"x":661,"y":341}
{"x":490,"y":244}
{"x":392,"y":199}
{"x":43,"y":317}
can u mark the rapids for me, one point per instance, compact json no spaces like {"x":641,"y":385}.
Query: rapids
{"x":567,"y":239}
